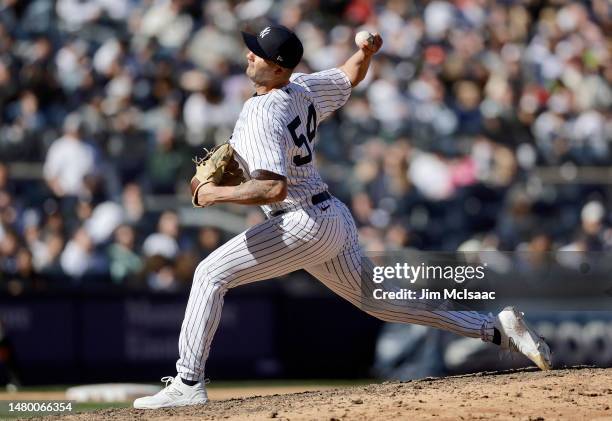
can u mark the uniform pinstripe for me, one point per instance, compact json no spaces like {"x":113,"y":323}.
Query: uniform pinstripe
{"x":270,"y":134}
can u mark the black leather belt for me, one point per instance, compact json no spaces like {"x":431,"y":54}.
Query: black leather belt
{"x":316,"y":199}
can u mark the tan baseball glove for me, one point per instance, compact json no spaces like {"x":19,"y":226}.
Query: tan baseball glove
{"x":218,"y":166}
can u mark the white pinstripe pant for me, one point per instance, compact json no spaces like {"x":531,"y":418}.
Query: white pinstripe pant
{"x":324,"y":243}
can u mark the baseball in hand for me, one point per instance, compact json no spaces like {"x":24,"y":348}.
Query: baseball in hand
{"x":362,"y":37}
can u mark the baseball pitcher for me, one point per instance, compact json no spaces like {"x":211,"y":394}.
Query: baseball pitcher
{"x":307,"y":228}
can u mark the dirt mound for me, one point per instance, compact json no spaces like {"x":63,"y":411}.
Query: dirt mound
{"x":570,"y":394}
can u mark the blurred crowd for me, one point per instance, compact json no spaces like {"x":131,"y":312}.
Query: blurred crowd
{"x":104,"y":103}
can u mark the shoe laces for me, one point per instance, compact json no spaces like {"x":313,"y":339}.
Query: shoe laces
{"x":167,"y":380}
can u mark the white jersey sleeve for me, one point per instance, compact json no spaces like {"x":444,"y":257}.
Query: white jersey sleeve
{"x":330,"y":89}
{"x":266,"y":140}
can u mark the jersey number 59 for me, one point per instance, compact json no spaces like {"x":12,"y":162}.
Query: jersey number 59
{"x":311,"y":131}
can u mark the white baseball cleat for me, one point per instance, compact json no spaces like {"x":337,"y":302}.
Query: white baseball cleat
{"x":176,"y":393}
{"x":516,"y":335}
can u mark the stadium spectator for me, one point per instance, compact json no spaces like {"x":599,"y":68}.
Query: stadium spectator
{"x":165,"y":163}
{"x":71,"y":163}
{"x":446,"y":138}
{"x":77,"y":257}
{"x":209,"y":239}
{"x":164,"y":242}
{"x":161,"y":274}
{"x":124,"y":261}
{"x":132,"y":201}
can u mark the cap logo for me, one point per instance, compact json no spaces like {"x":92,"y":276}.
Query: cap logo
{"x":279,"y":58}
{"x":264,"y":32}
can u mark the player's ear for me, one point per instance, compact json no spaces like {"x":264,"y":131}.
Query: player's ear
{"x":284,"y":72}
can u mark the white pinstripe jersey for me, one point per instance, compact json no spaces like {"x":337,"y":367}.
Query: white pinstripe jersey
{"x":277,"y":132}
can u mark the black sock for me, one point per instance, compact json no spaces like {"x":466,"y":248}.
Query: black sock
{"x":496,"y":336}
{"x":189,"y":382}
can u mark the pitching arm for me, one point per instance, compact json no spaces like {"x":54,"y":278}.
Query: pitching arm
{"x":356,"y":67}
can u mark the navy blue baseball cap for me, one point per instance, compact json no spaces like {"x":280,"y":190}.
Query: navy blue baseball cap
{"x":277,"y":44}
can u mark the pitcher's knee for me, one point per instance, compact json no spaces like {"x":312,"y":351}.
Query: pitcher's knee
{"x":210,"y":274}
{"x":201,"y":275}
